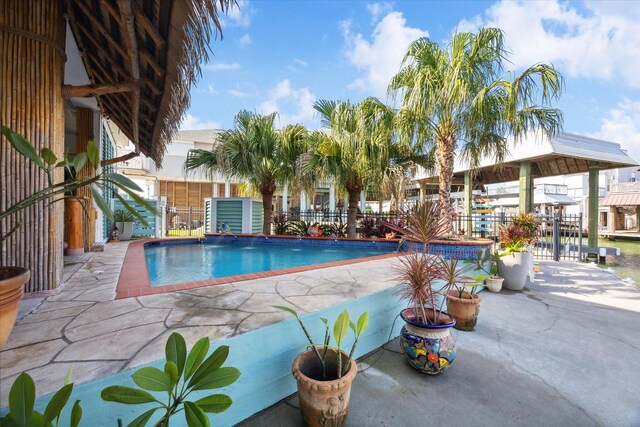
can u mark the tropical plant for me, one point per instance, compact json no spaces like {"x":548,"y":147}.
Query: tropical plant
{"x":356,"y":148}
{"x":452,"y":275}
{"x":519,"y":235}
{"x":255,"y":152}
{"x":123,"y":216}
{"x":56,"y":191}
{"x":340,"y":329}
{"x":480,"y":261}
{"x":456,"y":101}
{"x":529,"y":223}
{"x":300,"y":227}
{"x":281,"y":224}
{"x":369,"y":226}
{"x":22,"y":398}
{"x":336,"y":229}
{"x":183,"y":374}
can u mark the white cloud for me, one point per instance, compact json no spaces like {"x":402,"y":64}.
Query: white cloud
{"x":222,"y":66}
{"x":301,"y":62}
{"x":240,"y":15}
{"x":622,"y":125}
{"x":238,"y":94}
{"x":190,"y":122}
{"x":245,"y":40}
{"x":602,"y":43}
{"x":293,"y":105}
{"x":380,"y":58}
{"x":378,"y":9}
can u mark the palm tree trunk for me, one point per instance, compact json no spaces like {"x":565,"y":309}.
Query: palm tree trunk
{"x":354,"y":198}
{"x":267,"y":200}
{"x":445,"y":176}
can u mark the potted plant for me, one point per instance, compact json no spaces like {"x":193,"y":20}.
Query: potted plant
{"x":425,"y":338}
{"x":516,"y":258}
{"x":124,"y":221}
{"x":13,"y":278}
{"x":324,"y":374}
{"x":463,"y":303}
{"x":492,"y":281}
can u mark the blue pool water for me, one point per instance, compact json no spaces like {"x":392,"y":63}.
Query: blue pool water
{"x":169,"y":264}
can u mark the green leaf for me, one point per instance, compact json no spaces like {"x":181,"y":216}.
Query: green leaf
{"x":142,"y":420}
{"x":341,"y":327}
{"x":131,"y":209}
{"x":76,"y":414}
{"x":176,"y":351}
{"x":196,"y":356}
{"x":126,"y":395}
{"x":171,"y":370}
{"x":93,"y":154}
{"x":57,"y":402}
{"x":352,"y":326}
{"x":102,"y":205}
{"x":363,"y":323}
{"x":21,"y":398}
{"x":287,"y":309}
{"x":152,"y":379}
{"x":48,"y":156}
{"x":325,"y":321}
{"x":217,"y":379}
{"x":67,"y":378}
{"x":213,"y":362}
{"x":122,"y":180}
{"x":215,"y":403}
{"x":79,"y":161}
{"x":22,"y":146}
{"x":195,"y":416}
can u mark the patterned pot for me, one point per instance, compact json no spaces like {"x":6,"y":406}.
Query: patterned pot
{"x":431,"y":349}
{"x":12,"y":280}
{"x":323,"y":403}
{"x":464,"y":310}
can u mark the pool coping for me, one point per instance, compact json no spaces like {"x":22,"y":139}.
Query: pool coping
{"x":134,"y":276}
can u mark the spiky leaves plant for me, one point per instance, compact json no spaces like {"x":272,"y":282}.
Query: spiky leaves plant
{"x":456,"y":101}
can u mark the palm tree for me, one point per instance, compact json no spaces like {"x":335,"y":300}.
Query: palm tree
{"x":255,"y":152}
{"x":355,"y":149}
{"x":457,"y":99}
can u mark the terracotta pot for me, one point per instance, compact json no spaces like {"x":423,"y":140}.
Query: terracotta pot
{"x":431,"y":349}
{"x":494,"y":284}
{"x":323,"y":403}
{"x":12,"y":280}
{"x":464,"y":310}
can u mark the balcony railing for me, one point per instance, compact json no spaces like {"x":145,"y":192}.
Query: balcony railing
{"x":626,"y":187}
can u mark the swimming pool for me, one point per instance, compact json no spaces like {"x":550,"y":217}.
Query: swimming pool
{"x":169,"y":264}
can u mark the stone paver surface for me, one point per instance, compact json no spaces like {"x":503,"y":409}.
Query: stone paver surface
{"x":85,"y":328}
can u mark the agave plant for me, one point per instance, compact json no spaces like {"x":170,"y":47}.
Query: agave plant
{"x":49,"y":163}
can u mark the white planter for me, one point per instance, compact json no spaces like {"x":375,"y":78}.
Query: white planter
{"x":125,"y":229}
{"x":494,"y":284}
{"x":515,"y":269}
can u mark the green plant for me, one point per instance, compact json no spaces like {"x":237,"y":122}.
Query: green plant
{"x":300,"y":228}
{"x":22,"y":398}
{"x":48,"y":162}
{"x":529,"y":223}
{"x":340,"y":329}
{"x":480,"y":262}
{"x":123,"y":216}
{"x":281,"y":224}
{"x":183,"y":374}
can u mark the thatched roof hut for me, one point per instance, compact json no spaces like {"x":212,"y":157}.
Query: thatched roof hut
{"x":141,"y":57}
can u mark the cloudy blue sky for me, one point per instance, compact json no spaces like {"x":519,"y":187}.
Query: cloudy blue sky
{"x":282,"y":55}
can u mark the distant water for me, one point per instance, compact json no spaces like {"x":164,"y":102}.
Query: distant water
{"x":628,"y":261}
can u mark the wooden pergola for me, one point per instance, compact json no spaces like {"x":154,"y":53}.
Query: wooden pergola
{"x":142,"y":57}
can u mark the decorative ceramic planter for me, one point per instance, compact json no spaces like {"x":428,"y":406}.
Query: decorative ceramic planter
{"x":515,"y":268}
{"x":12,"y":280}
{"x":125,"y":230}
{"x":464,"y":310}
{"x":431,"y":349}
{"x":323,"y":403}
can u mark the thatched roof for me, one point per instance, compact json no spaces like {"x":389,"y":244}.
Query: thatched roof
{"x":154,"y":45}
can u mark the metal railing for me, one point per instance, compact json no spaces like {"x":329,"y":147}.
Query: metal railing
{"x":184,"y":222}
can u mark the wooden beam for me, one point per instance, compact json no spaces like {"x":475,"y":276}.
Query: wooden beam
{"x":124,"y":158}
{"x":87,"y":91}
{"x":126,"y":13}
{"x":100,"y":28}
{"x":148,"y":26}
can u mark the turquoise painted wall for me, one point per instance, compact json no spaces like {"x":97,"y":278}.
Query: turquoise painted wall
{"x":257,"y":217}
{"x":229,"y":211}
{"x":138,"y":228}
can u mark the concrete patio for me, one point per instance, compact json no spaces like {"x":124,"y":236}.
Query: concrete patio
{"x":566,"y":351}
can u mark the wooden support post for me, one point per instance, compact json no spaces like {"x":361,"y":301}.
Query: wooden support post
{"x":638,"y":219}
{"x":73,"y":226}
{"x":87,"y":91}
{"x":31,"y":77}
{"x":526,"y":188}
{"x":593,"y":205}
{"x":84,"y":134}
{"x":468,"y":202}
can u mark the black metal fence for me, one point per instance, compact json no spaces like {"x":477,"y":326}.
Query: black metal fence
{"x":184,"y":222}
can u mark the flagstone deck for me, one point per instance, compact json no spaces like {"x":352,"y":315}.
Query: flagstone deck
{"x":86,"y":329}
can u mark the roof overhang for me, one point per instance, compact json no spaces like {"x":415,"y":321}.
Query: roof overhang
{"x":621,"y":199}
